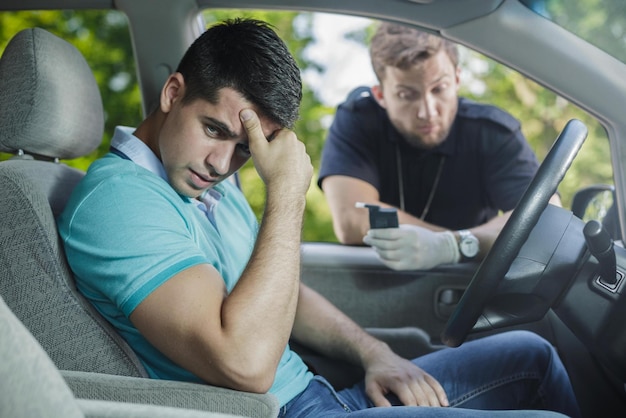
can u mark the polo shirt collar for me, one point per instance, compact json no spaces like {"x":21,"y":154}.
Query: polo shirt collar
{"x":124,"y":142}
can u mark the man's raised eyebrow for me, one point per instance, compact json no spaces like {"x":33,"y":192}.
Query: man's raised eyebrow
{"x":438,"y":80}
{"x":221,"y":126}
{"x":442,"y":77}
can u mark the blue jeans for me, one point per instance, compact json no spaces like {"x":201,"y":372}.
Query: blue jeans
{"x":512,"y":371}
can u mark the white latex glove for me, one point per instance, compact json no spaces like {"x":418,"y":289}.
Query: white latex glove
{"x":411,"y":247}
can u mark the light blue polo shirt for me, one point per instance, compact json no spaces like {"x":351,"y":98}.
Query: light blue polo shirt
{"x":126,"y":232}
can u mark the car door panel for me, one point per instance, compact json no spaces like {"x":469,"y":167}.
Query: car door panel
{"x":374,"y":296}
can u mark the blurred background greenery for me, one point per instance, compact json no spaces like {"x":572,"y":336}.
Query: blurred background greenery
{"x":103,"y":38}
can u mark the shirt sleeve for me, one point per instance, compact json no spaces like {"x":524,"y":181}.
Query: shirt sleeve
{"x":125,"y":239}
{"x":350,"y":147}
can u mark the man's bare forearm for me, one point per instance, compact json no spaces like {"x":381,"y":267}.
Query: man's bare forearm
{"x":323,"y":327}
{"x":261,"y":308}
{"x":258,"y":315}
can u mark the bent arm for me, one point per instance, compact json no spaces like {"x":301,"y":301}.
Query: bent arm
{"x":233,"y":340}
{"x":236,"y":339}
{"x":351,"y":224}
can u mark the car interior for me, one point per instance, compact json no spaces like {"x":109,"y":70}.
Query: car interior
{"x":550,"y":271}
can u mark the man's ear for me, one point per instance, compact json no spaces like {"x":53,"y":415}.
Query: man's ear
{"x":377,"y":93}
{"x":173,"y":90}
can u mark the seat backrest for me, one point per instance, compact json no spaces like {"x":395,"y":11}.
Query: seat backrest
{"x":51,"y":109}
{"x":30,"y":385}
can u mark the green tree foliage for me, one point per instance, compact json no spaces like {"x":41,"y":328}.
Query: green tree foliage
{"x":590,"y":20}
{"x":543,"y":115}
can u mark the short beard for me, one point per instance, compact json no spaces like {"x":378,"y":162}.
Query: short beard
{"x":416,"y":141}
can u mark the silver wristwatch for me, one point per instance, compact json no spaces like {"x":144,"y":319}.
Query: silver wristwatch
{"x":468,"y":244}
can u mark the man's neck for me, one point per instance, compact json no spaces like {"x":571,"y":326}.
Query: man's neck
{"x":148,"y":131}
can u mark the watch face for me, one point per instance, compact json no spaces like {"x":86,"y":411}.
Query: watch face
{"x":469,"y":246}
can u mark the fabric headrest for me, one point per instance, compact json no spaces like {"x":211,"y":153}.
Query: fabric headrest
{"x":50,"y":104}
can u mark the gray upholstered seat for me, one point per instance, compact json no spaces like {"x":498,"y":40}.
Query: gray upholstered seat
{"x":31,"y":386}
{"x":51,"y":109}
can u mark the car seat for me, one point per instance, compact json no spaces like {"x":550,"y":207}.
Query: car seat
{"x":37,"y":389}
{"x":52,"y":110}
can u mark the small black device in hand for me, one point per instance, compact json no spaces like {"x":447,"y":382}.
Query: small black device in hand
{"x":380,"y":217}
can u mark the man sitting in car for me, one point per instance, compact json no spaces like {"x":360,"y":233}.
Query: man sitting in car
{"x":172,"y":255}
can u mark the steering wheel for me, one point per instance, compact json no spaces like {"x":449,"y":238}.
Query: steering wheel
{"x":514,"y":233}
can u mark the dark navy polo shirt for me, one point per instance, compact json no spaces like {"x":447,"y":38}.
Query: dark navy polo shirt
{"x":488,"y":162}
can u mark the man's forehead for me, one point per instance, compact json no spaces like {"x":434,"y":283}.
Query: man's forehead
{"x":225,"y":112}
{"x":419,"y":74}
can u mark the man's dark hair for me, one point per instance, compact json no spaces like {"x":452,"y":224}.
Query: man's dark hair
{"x":249,"y":57}
{"x":399,"y":46}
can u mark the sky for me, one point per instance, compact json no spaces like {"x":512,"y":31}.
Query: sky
{"x":346,"y":62}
